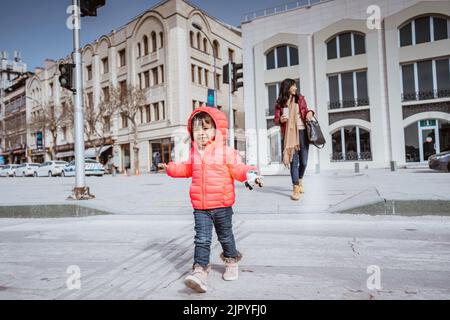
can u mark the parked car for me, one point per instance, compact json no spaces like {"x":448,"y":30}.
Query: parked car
{"x":91,"y":168}
{"x":50,"y":169}
{"x":26,"y":169}
{"x":8,"y":170}
{"x":440,"y":161}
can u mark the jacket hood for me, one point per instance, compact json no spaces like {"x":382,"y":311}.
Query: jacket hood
{"x":220,"y":120}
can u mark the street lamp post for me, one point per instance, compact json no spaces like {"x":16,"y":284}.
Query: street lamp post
{"x":199,"y":27}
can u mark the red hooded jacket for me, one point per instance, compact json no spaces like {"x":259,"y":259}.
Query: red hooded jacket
{"x":212,"y":174}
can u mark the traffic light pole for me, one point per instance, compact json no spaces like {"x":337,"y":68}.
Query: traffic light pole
{"x":80,"y":192}
{"x":230,"y":100}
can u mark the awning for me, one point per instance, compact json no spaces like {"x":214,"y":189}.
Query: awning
{"x":90,"y":153}
{"x":65,"y":154}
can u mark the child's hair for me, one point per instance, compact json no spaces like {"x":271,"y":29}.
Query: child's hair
{"x":203,"y":119}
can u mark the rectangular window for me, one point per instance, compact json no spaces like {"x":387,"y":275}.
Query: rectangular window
{"x":193,"y":73}
{"x":107,"y":123}
{"x":270,"y":60}
{"x":406,"y":35}
{"x":105,"y":65}
{"x":122,"y":60}
{"x":348,"y":97}
{"x":345,"y":45}
{"x":199,"y":75}
{"x":155,"y":76}
{"x":124,"y":121}
{"x":231,"y":55}
{"x":105,"y":94}
{"x":422,"y":26}
{"x":156,"y":111}
{"x":90,"y":96}
{"x":147,"y":78}
{"x":333,"y":85}
{"x":281,"y":56}
{"x":162,"y":73}
{"x":147,"y":114}
{"x":163,"y":108}
{"x":332,"y":49}
{"x":360,"y":46}
{"x":272,"y":94}
{"x":206,"y":77}
{"x":425,"y":75}
{"x":89,"y":72}
{"x":361,"y":85}
{"x":217,"y":81}
{"x":440,"y":28}
{"x":123,"y":89}
{"x":293,"y":55}
{"x":443,"y":77}
{"x":408,"y":82}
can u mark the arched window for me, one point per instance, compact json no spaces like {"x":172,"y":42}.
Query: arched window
{"x":216,"y":48}
{"x":154,"y":46}
{"x":198,"y":41}
{"x":205,"y":45}
{"x":145,"y":40}
{"x":139,"y":50}
{"x":351,"y":143}
{"x":346,"y":44}
{"x":161,"y":40}
{"x":424,"y":29}
{"x":282,"y":56}
{"x":191,"y":36}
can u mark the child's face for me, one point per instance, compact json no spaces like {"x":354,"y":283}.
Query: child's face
{"x":203,"y":132}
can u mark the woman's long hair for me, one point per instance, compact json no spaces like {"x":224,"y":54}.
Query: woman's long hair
{"x":284,"y":94}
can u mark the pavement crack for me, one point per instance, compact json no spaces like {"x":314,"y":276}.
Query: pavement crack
{"x":170,"y":283}
{"x":352,"y":246}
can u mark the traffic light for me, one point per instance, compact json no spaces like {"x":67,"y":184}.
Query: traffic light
{"x":66,"y":77}
{"x":89,"y":8}
{"x":236,"y":74}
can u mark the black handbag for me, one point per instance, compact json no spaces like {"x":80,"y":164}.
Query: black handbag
{"x":315,"y":135}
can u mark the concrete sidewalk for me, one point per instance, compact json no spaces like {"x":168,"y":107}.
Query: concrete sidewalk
{"x":145,"y":249}
{"x":158,"y":194}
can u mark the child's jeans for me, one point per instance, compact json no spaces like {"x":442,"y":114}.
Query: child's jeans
{"x":221,"y":218}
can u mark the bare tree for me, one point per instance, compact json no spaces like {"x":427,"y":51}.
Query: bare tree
{"x":128,"y":101}
{"x":48,"y":118}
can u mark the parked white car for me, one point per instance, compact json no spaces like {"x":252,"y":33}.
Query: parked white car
{"x":8,"y":170}
{"x":26,"y":169}
{"x":50,"y":169}
{"x":91,"y":168}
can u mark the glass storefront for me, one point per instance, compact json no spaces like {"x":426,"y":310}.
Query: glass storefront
{"x":426,"y":138}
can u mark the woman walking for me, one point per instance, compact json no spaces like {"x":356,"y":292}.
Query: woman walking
{"x":292,"y":113}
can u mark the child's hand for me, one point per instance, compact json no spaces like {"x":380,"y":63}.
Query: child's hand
{"x":163,"y":167}
{"x":253,"y":178}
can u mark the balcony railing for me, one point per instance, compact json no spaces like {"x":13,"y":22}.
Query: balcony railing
{"x":351,"y":156}
{"x":425,"y":95}
{"x":360,"y":102}
{"x":281,"y":8}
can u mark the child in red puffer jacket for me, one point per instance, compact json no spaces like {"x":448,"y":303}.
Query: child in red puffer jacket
{"x":213,"y":167}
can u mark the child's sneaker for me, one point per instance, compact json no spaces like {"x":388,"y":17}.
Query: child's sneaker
{"x":231,"y":267}
{"x":197,"y":279}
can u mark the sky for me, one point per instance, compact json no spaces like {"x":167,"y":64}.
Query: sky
{"x":38,"y":28}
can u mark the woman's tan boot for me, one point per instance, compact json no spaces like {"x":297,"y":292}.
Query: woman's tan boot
{"x":301,"y":186}
{"x":296,"y":194}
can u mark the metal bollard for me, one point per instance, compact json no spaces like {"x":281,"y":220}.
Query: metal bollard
{"x":393,"y":165}
{"x":356,"y":167}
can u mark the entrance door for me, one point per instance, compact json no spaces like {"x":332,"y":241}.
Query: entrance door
{"x":428,"y":139}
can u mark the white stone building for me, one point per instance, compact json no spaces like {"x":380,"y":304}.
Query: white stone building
{"x":160,"y":51}
{"x":381,"y":91}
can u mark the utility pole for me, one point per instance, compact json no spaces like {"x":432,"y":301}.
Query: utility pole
{"x":87,"y":8}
